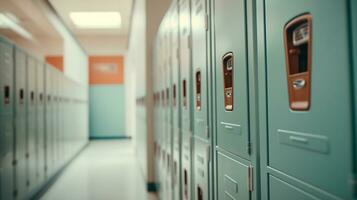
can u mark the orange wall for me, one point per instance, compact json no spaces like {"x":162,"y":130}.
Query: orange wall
{"x":106,"y":70}
{"x":56,"y":61}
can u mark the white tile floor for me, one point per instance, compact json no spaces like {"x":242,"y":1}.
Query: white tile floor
{"x":105,"y":170}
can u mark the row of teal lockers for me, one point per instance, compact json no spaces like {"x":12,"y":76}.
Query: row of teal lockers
{"x":42,"y":122}
{"x":256,"y":100}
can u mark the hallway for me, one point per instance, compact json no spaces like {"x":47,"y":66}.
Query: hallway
{"x":106,"y":169}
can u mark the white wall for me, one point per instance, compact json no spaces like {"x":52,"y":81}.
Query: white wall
{"x":135,"y":62}
{"x":147,"y":15}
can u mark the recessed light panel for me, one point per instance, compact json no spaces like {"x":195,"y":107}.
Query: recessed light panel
{"x":96,"y":20}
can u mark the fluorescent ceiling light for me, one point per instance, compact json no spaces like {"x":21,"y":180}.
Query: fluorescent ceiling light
{"x":96,"y":20}
{"x":10,"y":21}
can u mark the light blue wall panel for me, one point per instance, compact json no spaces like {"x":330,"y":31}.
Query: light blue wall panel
{"x":107,"y":109}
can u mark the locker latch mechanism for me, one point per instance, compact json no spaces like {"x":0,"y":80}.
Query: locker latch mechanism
{"x":198,"y":90}
{"x":6,"y":94}
{"x":228,"y":65}
{"x":298,"y":41}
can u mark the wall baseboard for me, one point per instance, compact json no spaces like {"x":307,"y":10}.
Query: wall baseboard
{"x":109,"y":137}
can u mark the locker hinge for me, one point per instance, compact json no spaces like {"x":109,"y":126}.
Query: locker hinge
{"x":249,"y":148}
{"x":207,"y":131}
{"x":189,"y":42}
{"x":208,"y":153}
{"x":206,"y":22}
{"x":250,"y":178}
{"x":354,"y":184}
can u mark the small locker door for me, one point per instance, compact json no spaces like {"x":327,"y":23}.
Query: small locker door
{"x":175,"y":101}
{"x":31,"y":124}
{"x":40,"y":121}
{"x":186,"y":104}
{"x":48,"y":118}
{"x":202,"y":172}
{"x":6,"y":119}
{"x":309,"y":92}
{"x":199,"y":19}
{"x":231,"y":76}
{"x":233,"y":179}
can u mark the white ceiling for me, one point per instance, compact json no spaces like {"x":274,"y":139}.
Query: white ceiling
{"x":113,"y":41}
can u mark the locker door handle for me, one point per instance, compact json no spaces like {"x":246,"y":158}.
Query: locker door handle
{"x":298,"y":139}
{"x":6,"y":94}
{"x":228,"y":127}
{"x":228,"y":67}
{"x":32,"y":97}
{"x":21,"y":96}
{"x":299,"y":84}
{"x":198,"y":90}
{"x":298,"y":42}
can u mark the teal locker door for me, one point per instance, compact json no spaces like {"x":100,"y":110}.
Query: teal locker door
{"x":60,"y":118}
{"x":6,"y":120}
{"x":186,"y":104}
{"x":31,"y":125}
{"x":202,"y":173}
{"x":280,"y":189}
{"x":175,"y":102}
{"x":233,"y":179}
{"x":48,"y":118}
{"x":21,"y":90}
{"x":163,"y":136}
{"x":55,"y":119}
{"x":185,"y":64}
{"x":231,"y":77}
{"x":40,"y":122}
{"x":309,"y":92}
{"x":199,"y":29}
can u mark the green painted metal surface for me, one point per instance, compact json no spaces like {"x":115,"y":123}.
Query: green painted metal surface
{"x":200,"y":63}
{"x":6,"y":119}
{"x":201,"y":171}
{"x":186,"y":98}
{"x":107,"y":110}
{"x":232,"y":179}
{"x":304,"y":144}
{"x":175,"y":101}
{"x":230,"y":37}
{"x":40,"y":117}
{"x":31,"y":126}
{"x":20,"y":103}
